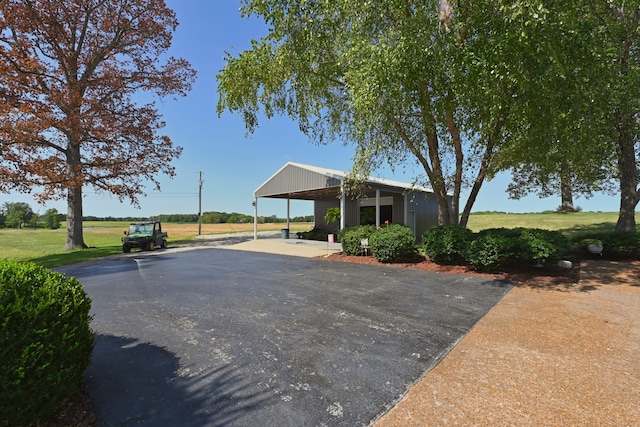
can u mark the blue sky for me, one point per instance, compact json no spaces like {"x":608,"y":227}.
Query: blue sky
{"x":234,"y":165}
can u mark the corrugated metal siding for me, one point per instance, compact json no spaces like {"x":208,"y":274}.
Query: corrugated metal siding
{"x":292,"y":179}
{"x":320,"y":209}
{"x":352,"y":212}
{"x":352,"y":216}
{"x":397,"y":210}
{"x":426,"y":209}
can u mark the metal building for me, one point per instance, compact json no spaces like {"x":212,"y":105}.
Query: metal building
{"x":377,"y":201}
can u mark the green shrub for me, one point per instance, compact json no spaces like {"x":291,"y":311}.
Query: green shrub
{"x":616,"y":244}
{"x":314,"y":234}
{"x":544,"y":245}
{"x":494,"y":248}
{"x":45,"y":340}
{"x":445,"y":244}
{"x":393,"y":243}
{"x":497,"y":248}
{"x":351,"y":238}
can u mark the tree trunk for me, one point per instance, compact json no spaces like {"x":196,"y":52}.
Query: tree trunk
{"x":456,"y":139}
{"x":566,"y":193}
{"x":492,"y":139}
{"x":628,"y":182}
{"x":75,"y":238}
{"x":444,"y":217}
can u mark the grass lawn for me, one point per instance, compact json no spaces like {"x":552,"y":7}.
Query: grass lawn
{"x":569,"y":224}
{"x":46,"y":247}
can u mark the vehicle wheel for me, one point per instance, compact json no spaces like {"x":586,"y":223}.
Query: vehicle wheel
{"x":126,"y":249}
{"x":164,"y":244}
{"x":152,"y":245}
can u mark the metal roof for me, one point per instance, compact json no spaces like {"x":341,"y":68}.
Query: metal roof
{"x":299,"y":181}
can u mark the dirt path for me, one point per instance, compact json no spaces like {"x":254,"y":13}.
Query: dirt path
{"x":542,"y":357}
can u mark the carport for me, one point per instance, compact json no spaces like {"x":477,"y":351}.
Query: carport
{"x":378,"y":200}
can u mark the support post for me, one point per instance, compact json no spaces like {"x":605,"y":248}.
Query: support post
{"x":288,"y":214}
{"x":255,"y":218}
{"x":343,"y":206}
{"x":377,"y":208}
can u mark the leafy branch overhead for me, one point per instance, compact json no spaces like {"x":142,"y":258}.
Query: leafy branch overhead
{"x":421,"y":82}
{"x":461,"y":89}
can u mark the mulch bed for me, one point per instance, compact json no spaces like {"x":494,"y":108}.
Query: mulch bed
{"x":548,"y":277}
{"x":76,"y":411}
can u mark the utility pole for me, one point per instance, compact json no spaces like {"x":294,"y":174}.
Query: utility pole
{"x":200,"y":205}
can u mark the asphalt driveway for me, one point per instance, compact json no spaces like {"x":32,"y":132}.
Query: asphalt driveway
{"x":214,"y":337}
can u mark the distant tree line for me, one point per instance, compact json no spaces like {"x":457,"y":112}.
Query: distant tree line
{"x":226,"y":218}
{"x":21,"y":215}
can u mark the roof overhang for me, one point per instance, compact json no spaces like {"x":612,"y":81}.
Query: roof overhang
{"x":305,"y":182}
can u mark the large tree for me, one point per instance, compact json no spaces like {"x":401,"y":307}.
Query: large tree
{"x":18,"y":214}
{"x":581,"y":119}
{"x":419,"y":81}
{"x":615,"y":29}
{"x":70,"y":69}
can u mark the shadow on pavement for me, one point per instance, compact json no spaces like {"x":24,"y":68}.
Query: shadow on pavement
{"x":145,"y":384}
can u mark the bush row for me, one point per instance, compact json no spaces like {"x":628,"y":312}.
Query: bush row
{"x":496,"y":248}
{"x":500,"y":248}
{"x":489,"y":250}
{"x":45,"y":340}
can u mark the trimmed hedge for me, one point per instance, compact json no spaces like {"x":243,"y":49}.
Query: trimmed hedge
{"x":45,"y":340}
{"x":446,"y":244}
{"x":393,"y":243}
{"x":493,"y":249}
{"x":351,"y":238}
{"x":497,"y":248}
{"x":544,"y":245}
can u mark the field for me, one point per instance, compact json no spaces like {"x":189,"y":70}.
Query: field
{"x":45,"y":247}
{"x":569,"y":224}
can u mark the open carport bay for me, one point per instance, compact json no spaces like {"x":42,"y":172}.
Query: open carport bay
{"x":216,"y":337}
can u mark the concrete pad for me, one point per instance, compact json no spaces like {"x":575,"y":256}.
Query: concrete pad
{"x":292,"y":247}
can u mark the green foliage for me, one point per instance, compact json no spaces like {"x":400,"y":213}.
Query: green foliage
{"x":616,"y":244}
{"x":45,"y":340}
{"x":565,"y":210}
{"x":314,"y":234}
{"x":52,"y":219}
{"x":543,"y":245}
{"x":18,"y":214}
{"x":332,"y":215}
{"x":498,"y":248}
{"x":387,"y":77}
{"x":351,"y":238}
{"x":493,"y":249}
{"x":445,"y":244}
{"x":393,"y":243}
